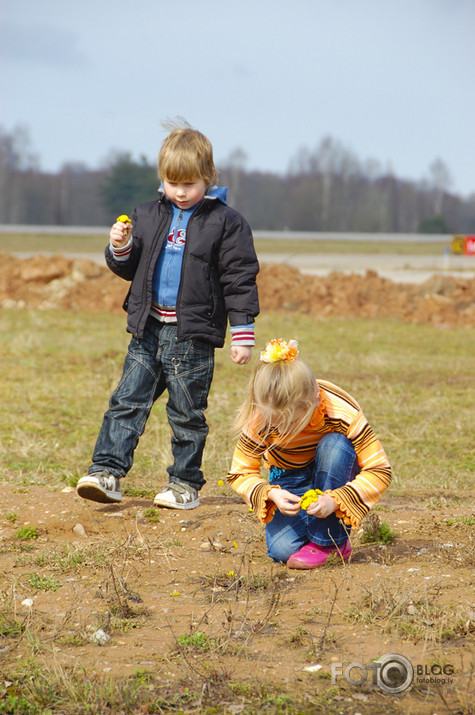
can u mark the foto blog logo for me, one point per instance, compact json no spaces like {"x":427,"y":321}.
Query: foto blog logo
{"x":392,"y":673}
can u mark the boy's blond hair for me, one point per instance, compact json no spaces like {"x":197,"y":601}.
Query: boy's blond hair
{"x":287,"y":388}
{"x":186,"y":155}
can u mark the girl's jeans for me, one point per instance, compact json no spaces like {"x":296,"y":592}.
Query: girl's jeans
{"x":335,"y":465}
{"x":154,"y":363}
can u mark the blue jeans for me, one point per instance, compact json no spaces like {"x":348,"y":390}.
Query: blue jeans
{"x":154,"y":363}
{"x":335,"y":464}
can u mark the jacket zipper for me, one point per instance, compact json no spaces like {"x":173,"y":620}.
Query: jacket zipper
{"x":183,"y":265}
{"x":145,"y":285}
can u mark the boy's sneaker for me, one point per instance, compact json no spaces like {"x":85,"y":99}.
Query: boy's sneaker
{"x":100,"y":486}
{"x":177,"y":496}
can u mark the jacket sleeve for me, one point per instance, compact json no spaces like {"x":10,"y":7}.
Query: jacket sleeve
{"x":238,"y":267}
{"x":126,"y":269}
{"x":245,"y":476}
{"x":357,"y":497}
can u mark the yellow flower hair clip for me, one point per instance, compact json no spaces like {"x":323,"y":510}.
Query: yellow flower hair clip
{"x":279,"y":349}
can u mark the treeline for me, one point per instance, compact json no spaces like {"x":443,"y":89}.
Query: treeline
{"x":325,"y":189}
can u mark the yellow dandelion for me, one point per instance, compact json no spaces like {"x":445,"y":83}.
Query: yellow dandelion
{"x":309,"y":498}
{"x":220,"y":483}
{"x":235,"y":544}
{"x":123,"y":218}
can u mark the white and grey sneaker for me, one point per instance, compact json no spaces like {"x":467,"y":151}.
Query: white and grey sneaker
{"x":177,"y":495}
{"x":100,"y":486}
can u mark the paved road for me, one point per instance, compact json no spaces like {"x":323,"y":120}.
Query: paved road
{"x":399,"y":269}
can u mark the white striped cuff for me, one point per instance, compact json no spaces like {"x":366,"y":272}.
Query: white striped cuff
{"x":243,"y":335}
{"x":121,"y":254}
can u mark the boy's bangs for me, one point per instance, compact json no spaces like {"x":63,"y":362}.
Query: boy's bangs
{"x":179,"y":169}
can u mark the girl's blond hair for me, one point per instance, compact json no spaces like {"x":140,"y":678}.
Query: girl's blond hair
{"x":287,"y":388}
{"x":186,"y":155}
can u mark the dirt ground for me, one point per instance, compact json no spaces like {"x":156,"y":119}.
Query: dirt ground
{"x":191,"y":600}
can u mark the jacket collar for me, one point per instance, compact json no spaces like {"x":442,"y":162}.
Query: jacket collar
{"x":213,"y":193}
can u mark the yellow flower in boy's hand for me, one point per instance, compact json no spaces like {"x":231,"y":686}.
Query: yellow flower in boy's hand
{"x":123,"y":218}
{"x":309,"y":498}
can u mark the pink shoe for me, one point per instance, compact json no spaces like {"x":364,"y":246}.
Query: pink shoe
{"x":311,"y":556}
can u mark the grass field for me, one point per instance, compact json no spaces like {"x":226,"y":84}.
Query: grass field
{"x":415,"y":384}
{"x":61,"y":243}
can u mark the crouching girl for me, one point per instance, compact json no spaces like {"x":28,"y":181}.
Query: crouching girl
{"x":313,"y":437}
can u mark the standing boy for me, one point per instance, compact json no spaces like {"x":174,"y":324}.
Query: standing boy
{"x":192,"y":266}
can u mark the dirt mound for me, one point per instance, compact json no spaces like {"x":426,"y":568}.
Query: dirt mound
{"x":441,"y":300}
{"x":60,"y":283}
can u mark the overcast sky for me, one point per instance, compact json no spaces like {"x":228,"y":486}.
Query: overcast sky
{"x":391,"y":80}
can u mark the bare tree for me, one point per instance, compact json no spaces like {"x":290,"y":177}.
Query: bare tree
{"x":16,"y":159}
{"x":440,"y":181}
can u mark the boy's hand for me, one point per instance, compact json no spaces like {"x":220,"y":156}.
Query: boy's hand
{"x":120,"y":234}
{"x":241,"y":354}
{"x":323,"y":507}
{"x":286,"y":502}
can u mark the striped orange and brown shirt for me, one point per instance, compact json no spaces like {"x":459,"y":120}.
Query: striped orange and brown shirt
{"x":337,"y":412}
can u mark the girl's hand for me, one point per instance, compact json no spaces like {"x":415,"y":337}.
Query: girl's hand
{"x":241,"y":354}
{"x":323,"y":507}
{"x":286,"y":502}
{"x":120,"y":234}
